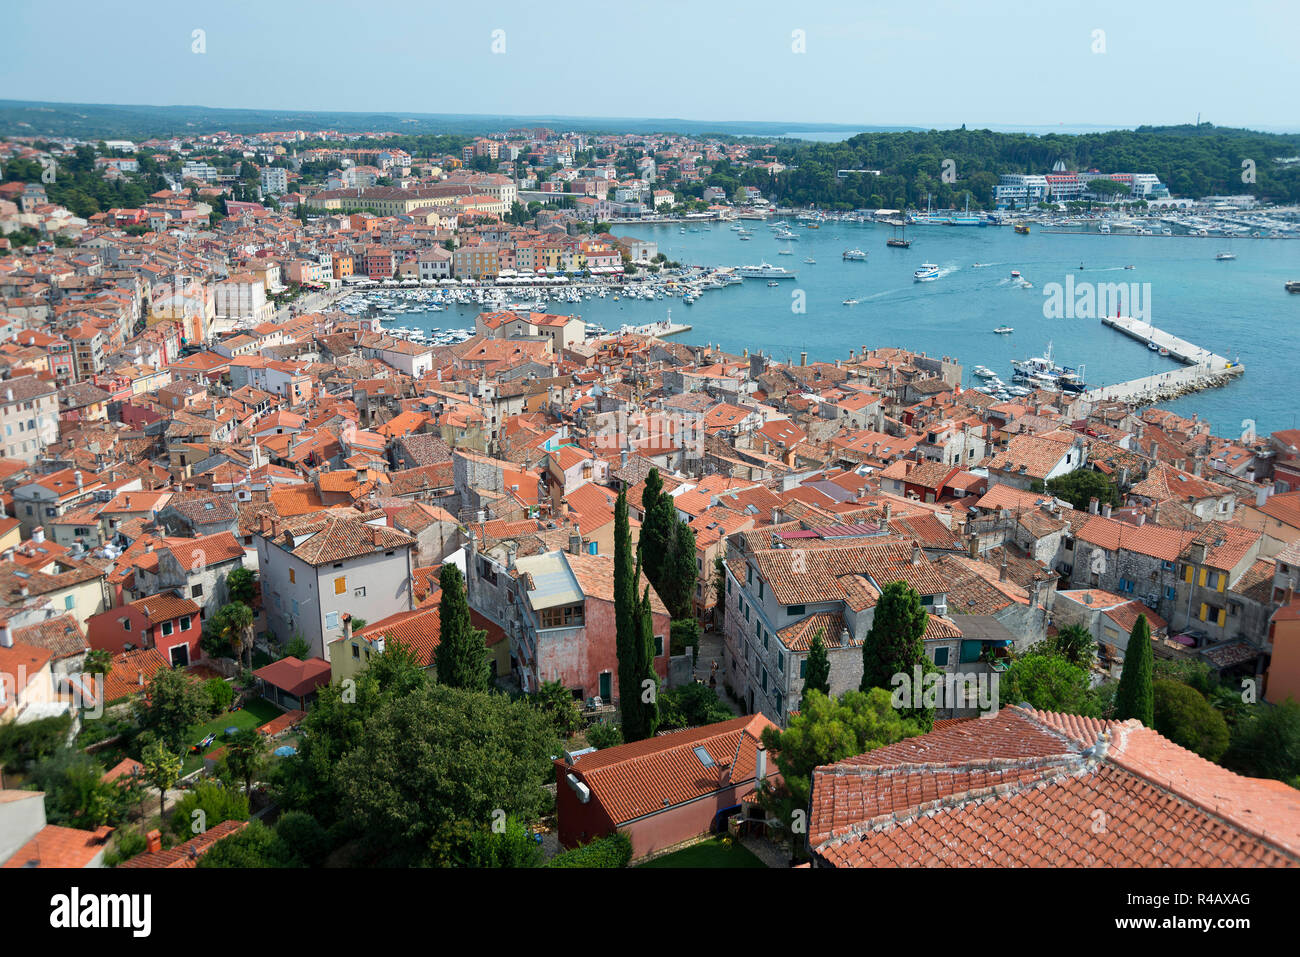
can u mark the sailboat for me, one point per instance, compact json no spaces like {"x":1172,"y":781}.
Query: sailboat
{"x":898,"y":241}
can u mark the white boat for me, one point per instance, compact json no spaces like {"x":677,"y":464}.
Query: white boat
{"x":1225,"y":256}
{"x":1004,"y":330}
{"x":810,"y":261}
{"x":773,"y":282}
{"x":850,"y":302}
{"x":765,"y":271}
{"x":984,"y":372}
{"x":854,"y":255}
{"x":927,"y":273}
{"x":785,"y":252}
{"x":1104,"y":228}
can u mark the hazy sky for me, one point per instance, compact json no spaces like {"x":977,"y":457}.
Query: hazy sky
{"x":922,"y":62}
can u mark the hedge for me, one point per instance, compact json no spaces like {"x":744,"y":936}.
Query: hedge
{"x":612,"y":851}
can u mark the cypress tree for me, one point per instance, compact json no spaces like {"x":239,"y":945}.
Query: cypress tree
{"x":461,"y":656}
{"x":893,"y":645}
{"x":625,"y":620}
{"x":817,"y":675}
{"x":649,"y":709}
{"x":1134,"y":698}
{"x":657,"y":528}
{"x":677,"y":588}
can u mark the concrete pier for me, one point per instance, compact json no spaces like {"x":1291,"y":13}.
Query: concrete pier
{"x":1205,"y":369}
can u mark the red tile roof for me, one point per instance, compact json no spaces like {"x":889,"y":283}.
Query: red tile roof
{"x":296,"y":677}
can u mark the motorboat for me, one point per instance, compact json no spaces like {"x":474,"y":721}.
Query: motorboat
{"x":927,"y":273}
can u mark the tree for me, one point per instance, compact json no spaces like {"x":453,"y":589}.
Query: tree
{"x":216,"y":803}
{"x":98,"y":662}
{"x":720,"y":582}
{"x":603,"y":734}
{"x":162,"y":769}
{"x":678,"y":573}
{"x":817,"y":676}
{"x":220,"y":694}
{"x":556,"y":702}
{"x":625,"y":620}
{"x":827,"y":730}
{"x":1075,"y":643}
{"x":1267,"y":744}
{"x":255,"y":845}
{"x":461,"y":655}
{"x":647,"y":684}
{"x":1081,"y":486}
{"x":1134,"y":699}
{"x":893,"y":645}
{"x":241,"y":585}
{"x":1183,"y":716}
{"x":233,"y":623}
{"x":691,"y":706}
{"x":175,"y":703}
{"x":246,"y":756}
{"x":398,"y":671}
{"x":75,"y":793}
{"x":442,"y":755}
{"x":1048,"y":682}
{"x":656,"y":528}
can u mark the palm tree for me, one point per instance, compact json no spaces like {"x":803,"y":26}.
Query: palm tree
{"x":246,"y":756}
{"x":234,"y":622}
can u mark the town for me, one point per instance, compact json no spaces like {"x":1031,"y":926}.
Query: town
{"x":376,"y":496}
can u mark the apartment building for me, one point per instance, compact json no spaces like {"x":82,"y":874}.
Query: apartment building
{"x":29,"y":417}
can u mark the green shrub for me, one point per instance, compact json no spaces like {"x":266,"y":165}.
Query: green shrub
{"x":1184,"y":717}
{"x":685,"y":632}
{"x":129,"y":845}
{"x":612,"y":851}
{"x":220,"y":694}
{"x":217,"y":804}
{"x":603,"y":734}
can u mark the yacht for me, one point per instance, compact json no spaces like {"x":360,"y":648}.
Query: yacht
{"x":765,"y":271}
{"x":984,"y":372}
{"x":1225,"y":256}
{"x":1104,"y":228}
{"x":854,"y":255}
{"x":1004,"y":330}
{"x":927,"y":273}
{"x":786,"y":234}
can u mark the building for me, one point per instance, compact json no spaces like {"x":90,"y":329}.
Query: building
{"x":317,"y":567}
{"x":663,"y":791}
{"x":165,"y":622}
{"x":29,"y":417}
{"x":275,"y":180}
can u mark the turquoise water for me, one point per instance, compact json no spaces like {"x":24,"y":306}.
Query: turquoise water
{"x":1236,"y":308}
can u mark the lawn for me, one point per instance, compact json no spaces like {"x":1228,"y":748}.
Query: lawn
{"x":710,"y":853}
{"x":252,"y":715}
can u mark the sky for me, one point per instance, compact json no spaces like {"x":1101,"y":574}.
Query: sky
{"x":986,"y":63}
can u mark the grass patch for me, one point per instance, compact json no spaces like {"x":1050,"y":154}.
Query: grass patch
{"x":252,"y":715}
{"x":715,"y":852}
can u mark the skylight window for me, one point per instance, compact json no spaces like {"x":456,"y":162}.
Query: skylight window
{"x":706,"y":759}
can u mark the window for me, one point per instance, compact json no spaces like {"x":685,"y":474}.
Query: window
{"x":803,"y":667}
{"x":167,"y":628}
{"x":941,"y":656}
{"x":794,"y":610}
{"x":185,"y":623}
{"x":338,"y":564}
{"x":292,"y":577}
{"x":332,"y":619}
{"x":196,"y":591}
{"x":728,"y":585}
{"x":356,"y":652}
{"x":659,"y":646}
{"x":780,"y":662}
{"x":69,"y":603}
{"x":294,"y":604}
{"x":340,"y":585}
{"x":760,"y":589}
{"x":1170,"y":592}
{"x":568,"y":616}
{"x":779,"y":702}
{"x":359,"y":591}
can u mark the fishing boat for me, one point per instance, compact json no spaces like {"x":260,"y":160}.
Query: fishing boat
{"x":927,"y":273}
{"x":1004,"y":330}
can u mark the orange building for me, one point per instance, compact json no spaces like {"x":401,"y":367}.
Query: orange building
{"x":1284,"y":669}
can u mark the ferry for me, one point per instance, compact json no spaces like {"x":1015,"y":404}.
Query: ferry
{"x":765,"y":271}
{"x":1022,"y":229}
{"x":854,"y":255}
{"x":927,"y":273}
{"x":1004,"y":330}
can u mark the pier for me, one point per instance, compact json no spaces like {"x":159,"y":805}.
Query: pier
{"x":1205,"y":369}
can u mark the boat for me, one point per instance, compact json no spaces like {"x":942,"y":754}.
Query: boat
{"x":786,"y":234}
{"x":744,"y":239}
{"x":1130,"y":267}
{"x":850,"y":302}
{"x":1104,"y":228}
{"x":927,"y":273}
{"x":810,"y":261}
{"x":899,"y":241}
{"x":785,"y":252}
{"x":1164,"y":351}
{"x":854,"y":255}
{"x":984,"y":372}
{"x":773,"y":282}
{"x":1026,"y":284}
{"x":1293,"y":286}
{"x":1015,"y":274}
{"x":765,"y":271}
{"x":1152,"y":346}
{"x":1022,"y":229}
{"x":1043,"y":372}
{"x":1004,"y":330}
{"x":1224,"y":256}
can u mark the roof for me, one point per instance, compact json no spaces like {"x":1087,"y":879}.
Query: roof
{"x":294,"y":676}
{"x":1025,"y":789}
{"x":188,"y":853}
{"x":648,"y":776}
{"x":55,"y":846}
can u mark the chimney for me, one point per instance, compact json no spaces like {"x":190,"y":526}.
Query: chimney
{"x":776,"y":515}
{"x":916,"y":554}
{"x":889,"y":511}
{"x":6,"y":636}
{"x":76,"y":476}
{"x":510,"y":557}
{"x":1156,"y":516}
{"x":347,"y":626}
{"x":973,"y":546}
{"x":1092,"y":505}
{"x":760,"y":763}
{"x":622,"y":458}
{"x":38,"y":534}
{"x":1141,"y":518}
{"x":1002,"y":569}
{"x":1105,"y":510}
{"x":803,"y":358}
{"x":1261,"y":495}
{"x":153,"y":841}
{"x":575,"y":540}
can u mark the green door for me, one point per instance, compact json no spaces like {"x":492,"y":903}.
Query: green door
{"x":606,"y":686}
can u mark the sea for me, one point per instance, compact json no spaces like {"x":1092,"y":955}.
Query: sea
{"x":1238,"y":308}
